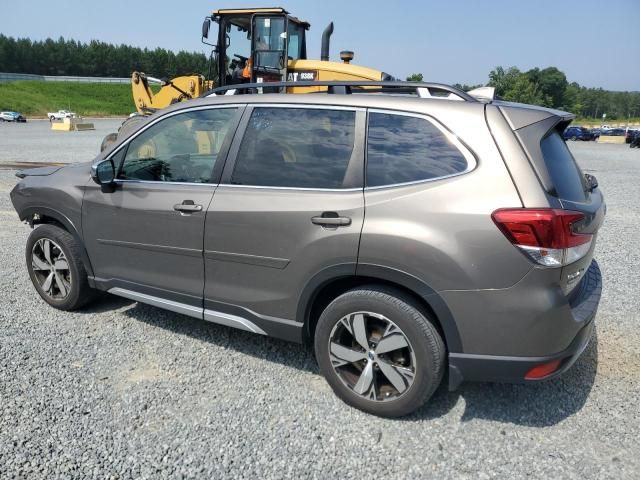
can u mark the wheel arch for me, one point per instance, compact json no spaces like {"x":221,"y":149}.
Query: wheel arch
{"x":334,"y":281}
{"x":50,"y":216}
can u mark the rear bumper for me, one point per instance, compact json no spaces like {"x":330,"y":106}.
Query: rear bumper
{"x":490,"y":368}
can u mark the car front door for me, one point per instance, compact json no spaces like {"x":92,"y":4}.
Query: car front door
{"x":290,"y":206}
{"x":145,"y":238}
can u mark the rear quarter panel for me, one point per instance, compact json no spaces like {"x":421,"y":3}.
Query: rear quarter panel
{"x":441,"y":231}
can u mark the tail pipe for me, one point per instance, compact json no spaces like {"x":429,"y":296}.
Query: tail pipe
{"x":326,"y":37}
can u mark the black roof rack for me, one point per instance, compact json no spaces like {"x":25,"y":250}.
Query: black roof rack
{"x":346,"y":87}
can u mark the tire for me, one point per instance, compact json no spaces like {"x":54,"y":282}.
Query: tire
{"x":633,"y":145}
{"x":63,"y":248}
{"x":108,"y":141}
{"x":416,"y":362}
{"x":131,"y":124}
{"x":574,"y":138}
{"x":52,"y":118}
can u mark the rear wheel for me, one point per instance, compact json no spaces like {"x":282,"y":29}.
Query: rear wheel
{"x":56,"y":269}
{"x":379,"y":352}
{"x":574,"y":138}
{"x":52,"y":118}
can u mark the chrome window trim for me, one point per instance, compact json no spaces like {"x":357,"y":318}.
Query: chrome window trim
{"x":469,"y":156}
{"x":159,"y":182}
{"x":231,"y":185}
{"x":307,"y":106}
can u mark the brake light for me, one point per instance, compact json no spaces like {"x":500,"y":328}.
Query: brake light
{"x":545,"y":235}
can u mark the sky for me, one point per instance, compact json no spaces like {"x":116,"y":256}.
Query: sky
{"x":595,"y":42}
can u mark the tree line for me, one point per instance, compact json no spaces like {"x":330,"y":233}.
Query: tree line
{"x":94,"y":59}
{"x":549,"y":87}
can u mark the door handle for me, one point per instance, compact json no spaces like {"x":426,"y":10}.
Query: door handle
{"x":187,"y":207}
{"x":331,"y":219}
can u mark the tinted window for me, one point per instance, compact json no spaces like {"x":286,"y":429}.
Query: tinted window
{"x":404,"y":149}
{"x":296,"y":147}
{"x":565,"y":174}
{"x":181,"y":148}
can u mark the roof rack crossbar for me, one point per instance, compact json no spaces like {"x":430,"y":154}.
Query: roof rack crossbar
{"x":345,"y":87}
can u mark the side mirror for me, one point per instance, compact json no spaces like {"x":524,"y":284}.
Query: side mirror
{"x":104,"y":174}
{"x":205,"y":28}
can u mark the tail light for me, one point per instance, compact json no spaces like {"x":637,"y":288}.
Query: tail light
{"x":545,"y":235}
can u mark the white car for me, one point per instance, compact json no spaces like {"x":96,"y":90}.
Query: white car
{"x":60,"y":114}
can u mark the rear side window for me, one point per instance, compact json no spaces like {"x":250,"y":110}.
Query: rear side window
{"x":296,"y":147}
{"x":402,"y":149}
{"x":565,"y":174}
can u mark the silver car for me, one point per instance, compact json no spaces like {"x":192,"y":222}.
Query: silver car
{"x":403,"y":238}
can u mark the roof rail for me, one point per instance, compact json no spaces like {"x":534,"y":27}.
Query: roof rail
{"x":422,"y":89}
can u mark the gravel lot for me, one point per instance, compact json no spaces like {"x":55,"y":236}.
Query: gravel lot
{"x":124,"y":390}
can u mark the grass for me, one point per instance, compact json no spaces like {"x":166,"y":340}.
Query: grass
{"x":36,"y":98}
{"x":591,"y":122}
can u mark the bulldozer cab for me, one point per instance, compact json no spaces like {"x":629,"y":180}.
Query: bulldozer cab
{"x":254,"y":45}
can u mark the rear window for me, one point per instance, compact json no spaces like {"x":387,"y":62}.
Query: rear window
{"x":565,"y":174}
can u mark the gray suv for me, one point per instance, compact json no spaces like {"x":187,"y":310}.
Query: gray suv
{"x":406,"y":239}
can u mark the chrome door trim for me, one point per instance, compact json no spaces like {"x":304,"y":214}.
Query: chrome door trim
{"x":189,"y":310}
{"x":232,"y":321}
{"x":170,"y":305}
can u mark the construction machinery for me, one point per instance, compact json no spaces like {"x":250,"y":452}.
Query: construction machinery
{"x":253,"y":45}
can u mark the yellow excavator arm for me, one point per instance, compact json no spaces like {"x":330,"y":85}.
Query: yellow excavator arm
{"x":171,"y":91}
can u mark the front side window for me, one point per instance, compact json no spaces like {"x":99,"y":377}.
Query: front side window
{"x":402,"y":149}
{"x":180,"y":148}
{"x":296,"y":147}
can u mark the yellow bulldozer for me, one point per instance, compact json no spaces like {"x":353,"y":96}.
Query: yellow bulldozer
{"x":252,"y":45}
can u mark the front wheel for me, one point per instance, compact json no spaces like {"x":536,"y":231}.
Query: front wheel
{"x":55,"y":266}
{"x":52,"y":118}
{"x":379,"y":352}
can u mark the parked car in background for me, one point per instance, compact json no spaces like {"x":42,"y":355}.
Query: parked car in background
{"x":615,"y":132}
{"x":635,"y":141}
{"x":630,"y":135}
{"x":12,"y":117}
{"x":60,"y":114}
{"x":596,"y":133}
{"x":577,"y":133}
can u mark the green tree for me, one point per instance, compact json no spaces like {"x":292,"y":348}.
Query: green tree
{"x":503,"y":80}
{"x":415,"y":77}
{"x":524,"y":90}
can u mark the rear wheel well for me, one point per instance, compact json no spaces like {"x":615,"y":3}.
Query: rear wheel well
{"x":328,"y":292}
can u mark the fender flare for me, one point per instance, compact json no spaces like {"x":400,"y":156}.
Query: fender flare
{"x":389,"y":275}
{"x":28,"y":213}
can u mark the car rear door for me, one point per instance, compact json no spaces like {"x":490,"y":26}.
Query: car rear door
{"x":145,"y":237}
{"x":289,"y":207}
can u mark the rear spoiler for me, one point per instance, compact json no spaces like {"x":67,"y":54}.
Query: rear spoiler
{"x":483,"y":94}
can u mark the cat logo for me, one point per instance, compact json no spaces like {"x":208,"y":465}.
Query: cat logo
{"x":302,"y":76}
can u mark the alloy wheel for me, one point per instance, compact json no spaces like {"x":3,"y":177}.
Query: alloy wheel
{"x":51,"y":269}
{"x":372,"y":356}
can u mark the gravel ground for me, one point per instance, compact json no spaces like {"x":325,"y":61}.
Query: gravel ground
{"x":124,"y":390}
